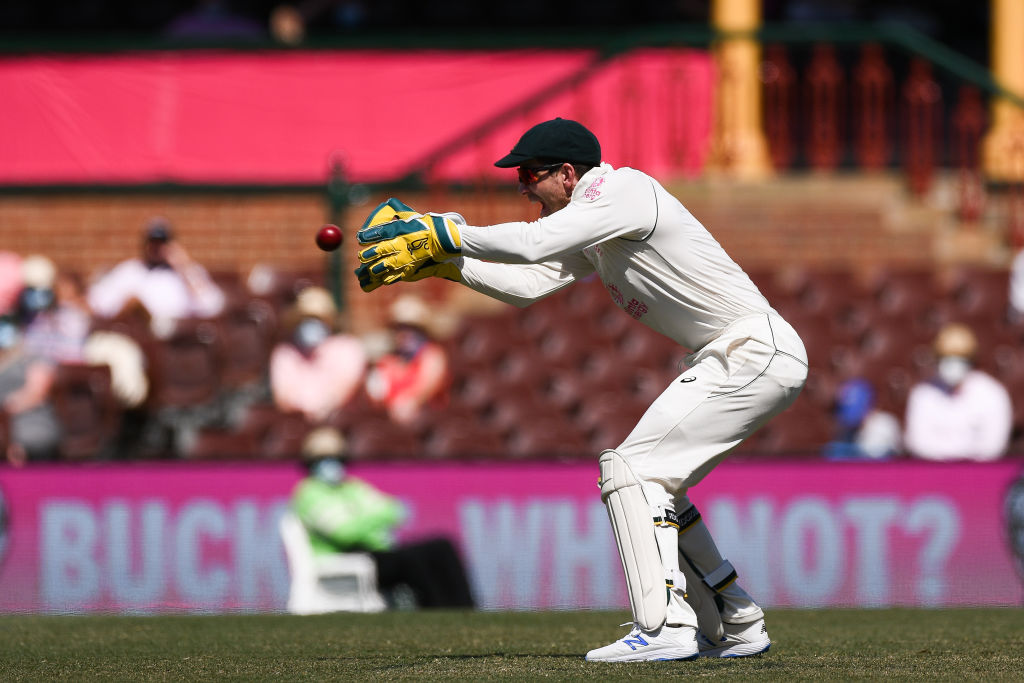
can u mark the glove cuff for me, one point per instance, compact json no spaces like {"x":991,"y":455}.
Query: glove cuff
{"x":446,"y":231}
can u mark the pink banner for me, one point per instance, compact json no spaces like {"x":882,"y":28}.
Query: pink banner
{"x":178,"y":536}
{"x":276,"y":117}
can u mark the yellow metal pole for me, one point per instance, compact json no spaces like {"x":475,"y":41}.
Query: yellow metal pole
{"x":739,"y":149}
{"x":1003,"y":147}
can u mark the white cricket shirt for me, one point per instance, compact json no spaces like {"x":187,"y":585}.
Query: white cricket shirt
{"x":656,"y":260}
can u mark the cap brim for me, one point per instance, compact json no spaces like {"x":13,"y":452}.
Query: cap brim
{"x":511,"y":160}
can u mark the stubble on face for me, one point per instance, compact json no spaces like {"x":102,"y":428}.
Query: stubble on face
{"x":550,"y":193}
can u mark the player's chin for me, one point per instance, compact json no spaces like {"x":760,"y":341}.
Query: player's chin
{"x":545,"y":208}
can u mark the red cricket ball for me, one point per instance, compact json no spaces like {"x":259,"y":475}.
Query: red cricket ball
{"x":328,"y":237}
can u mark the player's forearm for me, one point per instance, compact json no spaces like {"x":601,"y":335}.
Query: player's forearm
{"x":516,"y":284}
{"x":519,"y":242}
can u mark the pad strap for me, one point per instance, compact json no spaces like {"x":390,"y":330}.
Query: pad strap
{"x":687,"y":518}
{"x":720,"y":579}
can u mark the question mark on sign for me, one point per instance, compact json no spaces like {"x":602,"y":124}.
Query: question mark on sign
{"x":937,"y":515}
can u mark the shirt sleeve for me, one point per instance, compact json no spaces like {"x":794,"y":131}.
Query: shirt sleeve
{"x":207,"y":298}
{"x":993,"y":434}
{"x":522,"y":284}
{"x":109,"y":293}
{"x":626,"y":207}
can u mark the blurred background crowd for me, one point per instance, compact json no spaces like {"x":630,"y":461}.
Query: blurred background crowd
{"x":177,"y":353}
{"x":155,"y":357}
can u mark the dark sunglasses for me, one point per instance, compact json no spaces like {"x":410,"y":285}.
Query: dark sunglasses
{"x":528,"y":176}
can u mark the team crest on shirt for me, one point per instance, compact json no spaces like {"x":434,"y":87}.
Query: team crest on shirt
{"x":594,"y":191}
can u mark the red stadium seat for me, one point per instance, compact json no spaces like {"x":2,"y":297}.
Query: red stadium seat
{"x":607,"y":420}
{"x":248,"y":333}
{"x":541,"y":317}
{"x":464,"y":440}
{"x":481,"y":341}
{"x":564,"y":390}
{"x":275,"y":434}
{"x":88,"y":412}
{"x":185,"y":367}
{"x":823,"y":290}
{"x":610,"y":324}
{"x":382,"y":439}
{"x":603,"y":370}
{"x":643,"y":347}
{"x":554,"y":437}
{"x":222,"y":444}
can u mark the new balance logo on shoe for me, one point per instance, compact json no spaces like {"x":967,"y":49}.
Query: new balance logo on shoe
{"x":635,"y":641}
{"x":662,"y":644}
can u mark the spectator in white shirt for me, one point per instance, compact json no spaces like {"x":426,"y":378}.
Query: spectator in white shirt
{"x":961,"y":413}
{"x":165,"y":281}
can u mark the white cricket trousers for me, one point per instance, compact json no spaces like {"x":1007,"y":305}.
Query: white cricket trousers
{"x":733,"y":385}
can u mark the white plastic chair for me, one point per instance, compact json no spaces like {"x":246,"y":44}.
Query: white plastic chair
{"x":343,"y":582}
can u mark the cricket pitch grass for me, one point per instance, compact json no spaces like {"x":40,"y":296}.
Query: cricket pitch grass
{"x":882,"y":644}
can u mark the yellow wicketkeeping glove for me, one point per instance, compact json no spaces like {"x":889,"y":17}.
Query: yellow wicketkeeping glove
{"x":401,"y":248}
{"x":385,"y":212}
{"x":390,"y":210}
{"x":447,"y":270}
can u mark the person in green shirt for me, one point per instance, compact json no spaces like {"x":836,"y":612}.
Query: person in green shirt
{"x":343,"y":513}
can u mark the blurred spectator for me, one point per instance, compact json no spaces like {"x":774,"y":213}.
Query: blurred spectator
{"x":414,"y":373}
{"x":10,"y":281}
{"x":214,"y":20}
{"x":345,"y":514}
{"x":52,"y":306}
{"x":1017,"y":288}
{"x":863,"y":431}
{"x":315,"y":369}
{"x":961,"y":413}
{"x":165,"y":281}
{"x":288,"y":23}
{"x":25,"y":383}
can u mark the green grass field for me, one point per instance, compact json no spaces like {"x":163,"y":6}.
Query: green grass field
{"x":891,"y":644}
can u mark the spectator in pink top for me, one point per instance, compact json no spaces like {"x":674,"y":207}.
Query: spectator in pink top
{"x":316,"y":369}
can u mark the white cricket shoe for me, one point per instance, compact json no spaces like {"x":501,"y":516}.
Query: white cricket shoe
{"x":740,"y":640}
{"x":666,"y":643}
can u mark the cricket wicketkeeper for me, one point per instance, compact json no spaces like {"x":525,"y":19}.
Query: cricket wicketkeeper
{"x":658,"y":262}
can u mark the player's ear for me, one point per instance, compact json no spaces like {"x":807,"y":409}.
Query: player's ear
{"x":569,"y":178}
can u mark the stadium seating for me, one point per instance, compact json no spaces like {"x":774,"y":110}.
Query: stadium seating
{"x":381,"y":439}
{"x":222,"y":444}
{"x":90,"y":416}
{"x":464,"y":439}
{"x":247,"y":331}
{"x":551,"y":437}
{"x":185,"y":367}
{"x":273,"y":433}
{"x":573,"y":373}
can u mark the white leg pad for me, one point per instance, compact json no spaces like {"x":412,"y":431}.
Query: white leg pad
{"x":633,"y":527}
